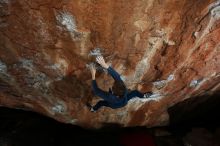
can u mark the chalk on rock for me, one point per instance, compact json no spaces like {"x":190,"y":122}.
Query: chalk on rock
{"x":58,"y":108}
{"x":195,"y":83}
{"x":159,"y":84}
{"x":96,"y":52}
{"x":196,"y":34}
{"x":170,"y":77}
{"x":155,"y":95}
{"x":3,"y":67}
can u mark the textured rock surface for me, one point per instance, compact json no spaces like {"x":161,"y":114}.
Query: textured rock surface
{"x":168,"y":46}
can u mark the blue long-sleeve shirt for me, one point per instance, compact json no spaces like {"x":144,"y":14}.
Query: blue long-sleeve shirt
{"x":113,"y":100}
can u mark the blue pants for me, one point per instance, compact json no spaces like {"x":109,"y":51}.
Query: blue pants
{"x":135,"y":93}
{"x":108,"y":98}
{"x":132,"y":94}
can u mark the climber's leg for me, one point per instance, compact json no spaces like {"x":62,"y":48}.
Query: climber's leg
{"x":135,"y":93}
{"x":100,"y":104}
{"x":104,"y":95}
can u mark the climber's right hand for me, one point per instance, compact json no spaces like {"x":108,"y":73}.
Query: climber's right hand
{"x":101,"y":61}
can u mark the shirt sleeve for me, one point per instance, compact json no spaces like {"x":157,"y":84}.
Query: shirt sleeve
{"x":114,"y":74}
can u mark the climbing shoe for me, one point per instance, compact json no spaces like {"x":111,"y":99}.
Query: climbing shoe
{"x":92,"y":110}
{"x":148,"y":94}
{"x":90,"y":107}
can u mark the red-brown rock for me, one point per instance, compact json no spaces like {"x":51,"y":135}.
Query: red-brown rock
{"x":168,"y":46}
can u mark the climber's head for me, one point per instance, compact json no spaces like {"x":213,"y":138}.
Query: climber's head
{"x":119,"y":89}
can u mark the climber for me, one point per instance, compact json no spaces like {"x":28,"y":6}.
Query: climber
{"x":118,"y":96}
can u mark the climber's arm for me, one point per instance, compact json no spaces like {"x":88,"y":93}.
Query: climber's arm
{"x":111,"y":71}
{"x":95,"y":87}
{"x":99,"y":92}
{"x":114,"y":73}
{"x":93,"y":71}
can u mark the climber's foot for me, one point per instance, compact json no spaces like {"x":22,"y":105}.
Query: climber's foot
{"x":148,"y":94}
{"x":90,"y":107}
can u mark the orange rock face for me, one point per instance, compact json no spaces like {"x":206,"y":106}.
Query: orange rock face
{"x":170,"y":47}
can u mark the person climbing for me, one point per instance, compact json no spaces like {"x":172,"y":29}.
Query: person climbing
{"x":118,"y":96}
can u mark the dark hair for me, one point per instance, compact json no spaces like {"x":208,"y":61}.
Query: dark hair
{"x":119,"y":89}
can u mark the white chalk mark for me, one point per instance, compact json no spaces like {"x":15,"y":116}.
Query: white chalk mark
{"x":95,"y":52}
{"x":170,"y":77}
{"x":58,"y":108}
{"x":67,"y":20}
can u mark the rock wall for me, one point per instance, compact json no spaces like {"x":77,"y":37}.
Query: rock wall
{"x":170,"y":47}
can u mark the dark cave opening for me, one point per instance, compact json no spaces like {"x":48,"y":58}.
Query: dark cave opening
{"x":196,"y":111}
{"x":23,"y":128}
